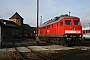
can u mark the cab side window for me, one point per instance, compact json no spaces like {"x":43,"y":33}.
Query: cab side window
{"x":76,"y":22}
{"x":61,"y":23}
{"x":68,"y":22}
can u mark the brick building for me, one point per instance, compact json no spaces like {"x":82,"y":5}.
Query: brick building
{"x":17,"y":19}
{"x":26,"y":29}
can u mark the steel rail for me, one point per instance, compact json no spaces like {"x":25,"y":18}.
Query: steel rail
{"x":37,"y":53}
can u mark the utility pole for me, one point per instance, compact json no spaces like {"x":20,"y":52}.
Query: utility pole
{"x":37,"y":38}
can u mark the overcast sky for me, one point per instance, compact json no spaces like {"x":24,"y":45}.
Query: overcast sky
{"x":48,"y":9}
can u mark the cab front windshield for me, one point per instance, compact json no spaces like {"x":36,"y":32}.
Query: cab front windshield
{"x":68,"y":22}
{"x":76,"y":22}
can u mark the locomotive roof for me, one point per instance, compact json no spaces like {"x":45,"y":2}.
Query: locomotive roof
{"x":57,"y":19}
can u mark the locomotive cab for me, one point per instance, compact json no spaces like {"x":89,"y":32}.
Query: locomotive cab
{"x":72,"y":31}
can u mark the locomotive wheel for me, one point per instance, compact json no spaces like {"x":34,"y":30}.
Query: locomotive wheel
{"x":54,"y":41}
{"x":40,"y":38}
{"x":57,"y":42}
{"x":51,"y":40}
{"x":78,"y":42}
{"x":62,"y":42}
{"x":66,"y":44}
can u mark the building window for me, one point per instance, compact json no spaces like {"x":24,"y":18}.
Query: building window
{"x":83,"y":31}
{"x":86,"y":31}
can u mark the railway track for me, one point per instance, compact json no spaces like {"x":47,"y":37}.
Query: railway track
{"x":31,"y":55}
{"x":40,"y":56}
{"x":22,"y":55}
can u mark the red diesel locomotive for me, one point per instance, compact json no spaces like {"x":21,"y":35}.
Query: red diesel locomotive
{"x":65,"y":30}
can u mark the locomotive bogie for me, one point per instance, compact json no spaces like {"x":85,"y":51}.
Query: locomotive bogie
{"x":65,"y":40}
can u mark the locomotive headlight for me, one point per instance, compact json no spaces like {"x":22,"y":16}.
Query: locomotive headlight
{"x":70,"y":35}
{"x":80,"y":38}
{"x":68,"y":39}
{"x":80,"y":35}
{"x":65,"y":35}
